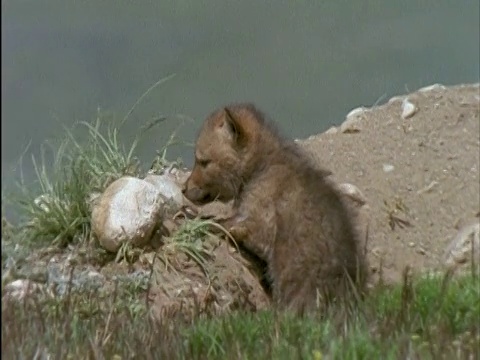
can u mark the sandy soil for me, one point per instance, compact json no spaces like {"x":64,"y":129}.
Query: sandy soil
{"x":422,"y":172}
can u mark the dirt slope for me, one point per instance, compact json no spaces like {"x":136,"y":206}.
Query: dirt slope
{"x":423,"y":170}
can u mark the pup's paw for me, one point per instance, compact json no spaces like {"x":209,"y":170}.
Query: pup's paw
{"x":238,"y":232}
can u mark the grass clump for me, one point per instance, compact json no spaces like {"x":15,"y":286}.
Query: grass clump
{"x":56,"y":209}
{"x":78,"y":325}
{"x":60,"y":214}
{"x":438,"y":321}
{"x":189,"y":239}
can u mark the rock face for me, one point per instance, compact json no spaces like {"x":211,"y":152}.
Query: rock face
{"x":127,"y":211}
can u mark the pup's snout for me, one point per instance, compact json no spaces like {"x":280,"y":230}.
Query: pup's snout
{"x":197,"y":195}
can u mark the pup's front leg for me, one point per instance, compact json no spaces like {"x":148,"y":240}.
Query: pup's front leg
{"x":252,"y":234}
{"x":237,"y":227}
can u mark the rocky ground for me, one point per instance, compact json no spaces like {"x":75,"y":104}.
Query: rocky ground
{"x":415,"y":160}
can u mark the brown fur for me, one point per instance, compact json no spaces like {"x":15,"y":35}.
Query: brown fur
{"x":287,"y":212}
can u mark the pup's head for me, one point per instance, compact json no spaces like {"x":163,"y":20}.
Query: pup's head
{"x":222,"y":153}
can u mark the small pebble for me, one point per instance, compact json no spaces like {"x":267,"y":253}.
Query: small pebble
{"x":421,"y":251}
{"x":408,"y":109}
{"x":332,"y":130}
{"x":388,"y":168}
{"x":432,"y":87}
{"x":353,"y":193}
{"x":352,"y":121}
{"x":19,"y":289}
{"x":396,"y":99}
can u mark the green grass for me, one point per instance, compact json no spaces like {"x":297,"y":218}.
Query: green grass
{"x":436,"y":320}
{"x":87,"y":158}
{"x":190,"y":240}
{"x":59,"y":214}
{"x":432,"y":323}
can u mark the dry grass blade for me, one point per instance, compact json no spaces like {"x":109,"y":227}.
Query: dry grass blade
{"x":151,"y":88}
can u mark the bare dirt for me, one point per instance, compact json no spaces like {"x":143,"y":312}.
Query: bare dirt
{"x":420,"y":175}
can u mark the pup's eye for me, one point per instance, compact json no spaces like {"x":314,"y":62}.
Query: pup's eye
{"x":203,"y":163}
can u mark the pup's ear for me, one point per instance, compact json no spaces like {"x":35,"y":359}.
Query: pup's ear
{"x":234,"y":127}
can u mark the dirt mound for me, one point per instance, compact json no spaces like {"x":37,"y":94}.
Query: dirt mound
{"x":420,"y":172}
{"x":224,"y":281}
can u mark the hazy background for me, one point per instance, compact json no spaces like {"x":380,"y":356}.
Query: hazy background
{"x":305,"y":63}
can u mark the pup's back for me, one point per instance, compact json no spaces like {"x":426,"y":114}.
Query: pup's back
{"x":317,"y":253}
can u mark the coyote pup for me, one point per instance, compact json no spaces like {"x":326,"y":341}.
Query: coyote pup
{"x":286,"y":211}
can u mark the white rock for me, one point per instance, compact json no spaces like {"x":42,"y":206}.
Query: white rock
{"x":127,"y":211}
{"x":19,"y":289}
{"x":46,"y":201}
{"x":432,"y":87}
{"x":168,"y":186}
{"x":353,"y":193}
{"x":95,"y":275}
{"x":352,"y":120}
{"x":42,"y":202}
{"x":357,"y":111}
{"x":388,"y":168}
{"x":396,"y":99}
{"x":459,"y":251}
{"x":360,"y":210}
{"x":332,"y":130}
{"x":408,"y":109}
